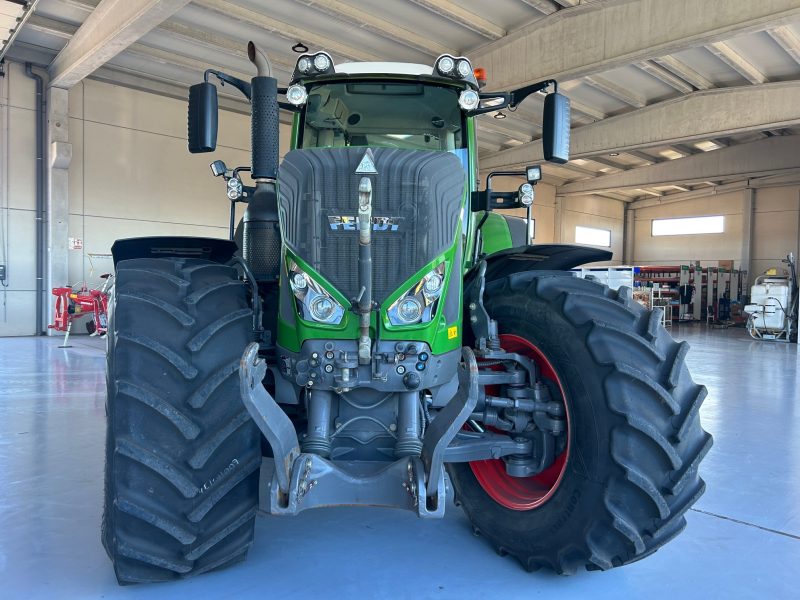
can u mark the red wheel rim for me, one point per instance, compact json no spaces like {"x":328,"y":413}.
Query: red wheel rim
{"x":524,"y":493}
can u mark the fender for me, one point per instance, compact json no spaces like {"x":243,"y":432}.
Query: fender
{"x":520,"y":264}
{"x":541,"y":257}
{"x":213,"y":249}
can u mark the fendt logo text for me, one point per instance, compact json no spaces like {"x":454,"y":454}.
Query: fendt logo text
{"x":351,"y":223}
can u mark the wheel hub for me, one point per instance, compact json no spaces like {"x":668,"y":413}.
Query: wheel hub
{"x":524,"y":493}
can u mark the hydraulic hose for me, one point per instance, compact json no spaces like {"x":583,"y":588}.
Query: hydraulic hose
{"x":364,"y":269}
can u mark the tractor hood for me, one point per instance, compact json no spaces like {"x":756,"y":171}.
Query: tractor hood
{"x":416,"y":209}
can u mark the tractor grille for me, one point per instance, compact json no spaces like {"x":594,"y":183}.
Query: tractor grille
{"x":420,"y":191}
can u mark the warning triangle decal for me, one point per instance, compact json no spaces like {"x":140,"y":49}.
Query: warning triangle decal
{"x":367,"y":164}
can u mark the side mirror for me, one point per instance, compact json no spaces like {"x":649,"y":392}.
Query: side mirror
{"x":555,"y":128}
{"x":202,"y":118}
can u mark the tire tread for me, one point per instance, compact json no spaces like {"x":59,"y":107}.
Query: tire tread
{"x":181,"y":470}
{"x":657,"y":443}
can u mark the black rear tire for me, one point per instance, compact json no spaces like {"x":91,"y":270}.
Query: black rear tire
{"x":636,"y":441}
{"x":182,"y":453}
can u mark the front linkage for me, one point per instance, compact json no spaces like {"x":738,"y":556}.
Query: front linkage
{"x":497,"y":391}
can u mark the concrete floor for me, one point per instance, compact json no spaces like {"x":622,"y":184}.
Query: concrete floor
{"x":742,"y":541}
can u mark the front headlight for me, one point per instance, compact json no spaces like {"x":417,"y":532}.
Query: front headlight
{"x":313,"y":302}
{"x":418,"y":304}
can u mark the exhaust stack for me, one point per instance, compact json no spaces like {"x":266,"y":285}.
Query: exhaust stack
{"x":262,"y":237}
{"x":260,"y":59}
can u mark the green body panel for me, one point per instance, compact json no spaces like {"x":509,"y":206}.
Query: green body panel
{"x":295,"y":131}
{"x":440,"y":335}
{"x":495,"y":234}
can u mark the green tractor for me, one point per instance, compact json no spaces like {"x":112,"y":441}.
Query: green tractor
{"x":375,"y":334}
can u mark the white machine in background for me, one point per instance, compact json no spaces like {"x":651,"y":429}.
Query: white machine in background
{"x":773,"y":306}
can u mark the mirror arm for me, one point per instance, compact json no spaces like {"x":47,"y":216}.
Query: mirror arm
{"x":517,"y":96}
{"x":505,"y":98}
{"x":240,"y":85}
{"x":245,"y":87}
{"x":513,"y":98}
{"x":287,"y":106}
{"x":503,"y":174}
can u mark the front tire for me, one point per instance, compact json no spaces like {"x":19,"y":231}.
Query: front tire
{"x":635,"y":441}
{"x":182,"y":453}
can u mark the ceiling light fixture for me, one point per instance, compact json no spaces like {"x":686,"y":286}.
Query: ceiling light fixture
{"x":614,"y":154}
{"x":500,"y":115}
{"x":300,"y":47}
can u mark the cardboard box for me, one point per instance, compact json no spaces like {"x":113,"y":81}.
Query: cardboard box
{"x":726,"y":264}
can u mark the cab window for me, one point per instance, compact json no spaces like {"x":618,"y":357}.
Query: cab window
{"x":410,"y":116}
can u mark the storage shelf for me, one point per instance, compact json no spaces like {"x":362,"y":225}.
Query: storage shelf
{"x":660,"y":279}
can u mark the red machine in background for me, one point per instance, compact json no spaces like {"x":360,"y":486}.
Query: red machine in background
{"x":72,"y":304}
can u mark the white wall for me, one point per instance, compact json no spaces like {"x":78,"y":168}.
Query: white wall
{"x":131,"y":175}
{"x":776,"y":227}
{"x":776,"y":230}
{"x":597,"y":212}
{"x":685,"y":249}
{"x":17,"y":201}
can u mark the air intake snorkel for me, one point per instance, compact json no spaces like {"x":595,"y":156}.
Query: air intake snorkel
{"x":262,"y":240}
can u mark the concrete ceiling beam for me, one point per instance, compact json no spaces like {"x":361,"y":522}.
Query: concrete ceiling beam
{"x":58,"y":29}
{"x":683,"y":150}
{"x":493,"y":125}
{"x":577,"y":169}
{"x":547,"y":7}
{"x":615,"y":91}
{"x":219,"y":43}
{"x":283,"y":30}
{"x":737,"y":62}
{"x":756,"y":159}
{"x":282,"y":69}
{"x":617,"y":33}
{"x":584,"y":109}
{"x":365,"y":19}
{"x":578,"y":107}
{"x":788,"y":40}
{"x":665,"y":76}
{"x":111,"y":28}
{"x":698,"y":116}
{"x":685,"y":72}
{"x":616,"y":196}
{"x":608,"y":163}
{"x":213,"y":41}
{"x":644,"y":156}
{"x":455,"y":13}
{"x":655,"y":193}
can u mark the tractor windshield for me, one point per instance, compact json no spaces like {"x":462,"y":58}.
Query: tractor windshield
{"x":412,"y":116}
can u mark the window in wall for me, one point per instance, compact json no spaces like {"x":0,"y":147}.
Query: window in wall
{"x":689,"y":225}
{"x":592,"y":236}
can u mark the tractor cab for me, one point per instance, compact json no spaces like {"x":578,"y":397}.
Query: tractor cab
{"x":382,"y":105}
